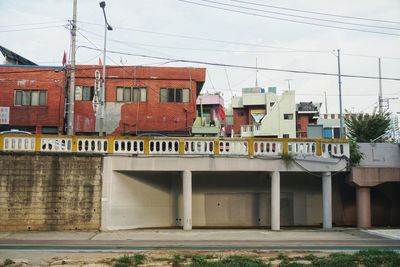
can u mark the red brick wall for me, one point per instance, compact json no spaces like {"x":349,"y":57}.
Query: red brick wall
{"x":33,"y":78}
{"x":240,"y":120}
{"x":143,"y":116}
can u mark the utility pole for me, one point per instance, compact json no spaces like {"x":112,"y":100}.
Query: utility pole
{"x":380,"y":101}
{"x":340,"y":95}
{"x":71,"y":96}
{"x":107,"y":27}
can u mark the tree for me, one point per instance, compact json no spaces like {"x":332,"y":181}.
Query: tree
{"x":364,"y":127}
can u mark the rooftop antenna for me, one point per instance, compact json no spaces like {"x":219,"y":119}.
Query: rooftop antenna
{"x":288,"y":83}
{"x":326,"y":104}
{"x":256,"y":73}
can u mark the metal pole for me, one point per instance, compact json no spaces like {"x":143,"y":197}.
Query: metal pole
{"x":380,"y":102}
{"x":71,"y":97}
{"x":340,"y":96}
{"x":103,"y":83}
{"x":326,"y":104}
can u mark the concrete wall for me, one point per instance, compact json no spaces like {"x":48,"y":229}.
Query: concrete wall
{"x":380,"y":155}
{"x":49,"y":192}
{"x":274,"y":123}
{"x":137,"y":199}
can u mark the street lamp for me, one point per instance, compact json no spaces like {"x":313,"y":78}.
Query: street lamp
{"x":107,"y":27}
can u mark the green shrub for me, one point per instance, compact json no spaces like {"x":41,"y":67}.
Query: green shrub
{"x":335,"y":260}
{"x":8,"y":262}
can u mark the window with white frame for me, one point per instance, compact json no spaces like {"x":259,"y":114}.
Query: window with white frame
{"x":131,"y":94}
{"x":174,"y":95}
{"x":84,"y":93}
{"x":30,"y":97}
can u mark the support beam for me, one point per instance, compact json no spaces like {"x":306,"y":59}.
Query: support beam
{"x":187,"y":199}
{"x":275,"y":200}
{"x":363,"y":207}
{"x":327,"y":200}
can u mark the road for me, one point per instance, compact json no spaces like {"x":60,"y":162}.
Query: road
{"x":35,"y":245}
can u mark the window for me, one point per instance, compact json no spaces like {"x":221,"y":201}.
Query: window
{"x":288,"y":116}
{"x":84,"y":93}
{"x":174,"y":95}
{"x":131,"y":94}
{"x":285,"y":135}
{"x":30,"y":98}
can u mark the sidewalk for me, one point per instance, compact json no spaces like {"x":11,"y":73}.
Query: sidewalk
{"x":193,"y":235}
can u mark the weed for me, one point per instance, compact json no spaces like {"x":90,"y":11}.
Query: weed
{"x":336,"y":259}
{"x":310,"y":257}
{"x":138,"y":259}
{"x":199,"y":259}
{"x":293,"y":264}
{"x":177,"y":260}
{"x":8,"y":262}
{"x":373,"y":258}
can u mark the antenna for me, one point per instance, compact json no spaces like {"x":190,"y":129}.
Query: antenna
{"x":288,"y":83}
{"x":326,"y":104}
{"x":256,"y":73}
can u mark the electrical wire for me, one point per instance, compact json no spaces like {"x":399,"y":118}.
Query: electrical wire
{"x":33,"y":28}
{"x":209,"y":39}
{"x":317,"y":13}
{"x":299,"y":16}
{"x":288,"y":20}
{"x":247,"y":67}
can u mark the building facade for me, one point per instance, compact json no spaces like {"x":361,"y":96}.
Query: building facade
{"x":32,"y":98}
{"x":137,"y":100}
{"x":264,"y":114}
{"x":210,"y":119}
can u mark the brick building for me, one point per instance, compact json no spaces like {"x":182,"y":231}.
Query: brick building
{"x":139,"y":99}
{"x":32,"y":98}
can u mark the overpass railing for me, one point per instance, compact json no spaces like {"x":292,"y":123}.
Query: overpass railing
{"x":252,"y":147}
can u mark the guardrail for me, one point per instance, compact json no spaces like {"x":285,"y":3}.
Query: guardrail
{"x":251,"y":147}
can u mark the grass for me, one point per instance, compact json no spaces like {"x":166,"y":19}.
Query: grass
{"x":8,"y":262}
{"x":231,"y":261}
{"x":364,"y":258}
{"x":127,"y":261}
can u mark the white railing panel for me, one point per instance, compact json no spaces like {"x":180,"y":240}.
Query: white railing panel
{"x":126,"y":146}
{"x":23,"y":143}
{"x":268,"y":148}
{"x":55,"y":144}
{"x":238,"y":148}
{"x":199,"y":147}
{"x":95,"y":145}
{"x":164,"y":147}
{"x":335,"y":149}
{"x":303,"y":148}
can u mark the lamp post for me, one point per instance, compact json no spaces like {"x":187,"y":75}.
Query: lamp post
{"x":341,"y":130}
{"x":107,"y":27}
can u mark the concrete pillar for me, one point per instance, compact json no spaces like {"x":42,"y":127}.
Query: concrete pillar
{"x":275,"y":201}
{"x":363,"y":207}
{"x":187,"y":199}
{"x":327,"y":200}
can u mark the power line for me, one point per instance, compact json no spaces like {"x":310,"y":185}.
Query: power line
{"x":299,"y":16}
{"x":209,"y":39}
{"x":289,"y":20}
{"x":33,"y":28}
{"x":317,"y":13}
{"x":30,"y":24}
{"x":245,"y":67}
{"x":202,"y":49}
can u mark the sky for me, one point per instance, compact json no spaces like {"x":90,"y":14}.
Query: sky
{"x":262,"y":33}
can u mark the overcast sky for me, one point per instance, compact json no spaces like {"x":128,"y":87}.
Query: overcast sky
{"x":180,"y":30}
